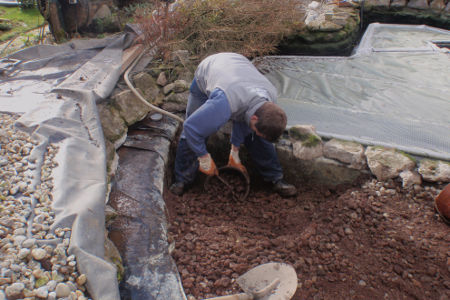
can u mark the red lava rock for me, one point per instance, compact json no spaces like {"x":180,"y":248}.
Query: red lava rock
{"x":345,"y":244}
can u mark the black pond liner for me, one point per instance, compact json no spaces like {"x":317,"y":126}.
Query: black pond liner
{"x":139,"y":230}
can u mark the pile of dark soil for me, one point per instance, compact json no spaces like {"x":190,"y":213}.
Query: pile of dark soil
{"x":376,"y":241}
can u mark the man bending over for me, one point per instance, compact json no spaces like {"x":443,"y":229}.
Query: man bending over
{"x":227,"y":86}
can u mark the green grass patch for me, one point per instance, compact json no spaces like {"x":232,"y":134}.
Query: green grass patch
{"x":21,"y":21}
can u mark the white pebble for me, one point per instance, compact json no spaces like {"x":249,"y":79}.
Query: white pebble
{"x":38,"y":253}
{"x":51,"y":296}
{"x":20,"y":231}
{"x":62,"y":290}
{"x":23,"y":253}
{"x":29,"y":243}
{"x":81,"y":280}
{"x":51,"y":285}
{"x":14,"y":290}
{"x":18,"y":240}
{"x":41,"y":292}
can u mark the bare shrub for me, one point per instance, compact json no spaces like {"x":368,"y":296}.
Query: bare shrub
{"x":249,"y":27}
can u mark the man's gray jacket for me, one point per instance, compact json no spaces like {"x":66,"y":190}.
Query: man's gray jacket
{"x":244,"y":86}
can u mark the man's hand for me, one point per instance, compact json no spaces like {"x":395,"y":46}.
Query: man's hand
{"x":234,"y":161}
{"x":207,"y":165}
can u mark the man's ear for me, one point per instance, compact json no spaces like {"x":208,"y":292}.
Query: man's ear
{"x":254,"y":118}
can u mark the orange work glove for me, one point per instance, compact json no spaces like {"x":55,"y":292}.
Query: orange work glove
{"x":207,"y":165}
{"x":234,"y":161}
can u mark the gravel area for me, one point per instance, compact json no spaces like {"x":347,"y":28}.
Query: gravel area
{"x":373,"y":240}
{"x":34,"y":262}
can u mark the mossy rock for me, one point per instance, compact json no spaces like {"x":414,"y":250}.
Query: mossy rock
{"x":305,"y":134}
{"x":319,"y":42}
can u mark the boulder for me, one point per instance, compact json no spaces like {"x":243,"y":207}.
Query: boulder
{"x":434,"y":170}
{"x":169,"y":88}
{"x":351,"y":153}
{"x":386,"y":163}
{"x":180,"y":86}
{"x":306,"y":145}
{"x":437,"y":5}
{"x":130,"y":107}
{"x":102,"y":12}
{"x":162,"y":79}
{"x":303,"y":133}
{"x":398,"y":3}
{"x":376,"y":3}
{"x":114,"y":126}
{"x":180,"y":98}
{"x":143,"y":81}
{"x":410,"y":178}
{"x":418,"y":4}
{"x":301,"y":151}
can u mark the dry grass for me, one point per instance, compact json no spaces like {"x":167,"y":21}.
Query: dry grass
{"x":249,"y":27}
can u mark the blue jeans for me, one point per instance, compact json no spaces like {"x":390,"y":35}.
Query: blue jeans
{"x":262,"y":152}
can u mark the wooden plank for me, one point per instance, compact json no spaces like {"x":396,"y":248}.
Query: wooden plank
{"x":130,"y":55}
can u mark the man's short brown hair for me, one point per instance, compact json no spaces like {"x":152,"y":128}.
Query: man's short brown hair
{"x":271,"y":121}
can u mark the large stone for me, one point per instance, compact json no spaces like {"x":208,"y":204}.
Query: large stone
{"x":303,"y":133}
{"x":437,"y":5}
{"x":323,"y":171}
{"x":169,"y":88}
{"x":103,"y":12}
{"x":307,"y":152}
{"x":114,"y":126}
{"x":180,"y":86}
{"x":177,"y":98}
{"x":143,"y":81}
{"x":410,"y":178}
{"x":130,"y":107}
{"x":351,"y":153}
{"x":398,"y":3}
{"x":162,"y":79}
{"x":386,"y":163}
{"x":152,"y":94}
{"x":368,"y":4}
{"x":307,"y":145}
{"x":434,"y":170}
{"x":418,"y":4}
